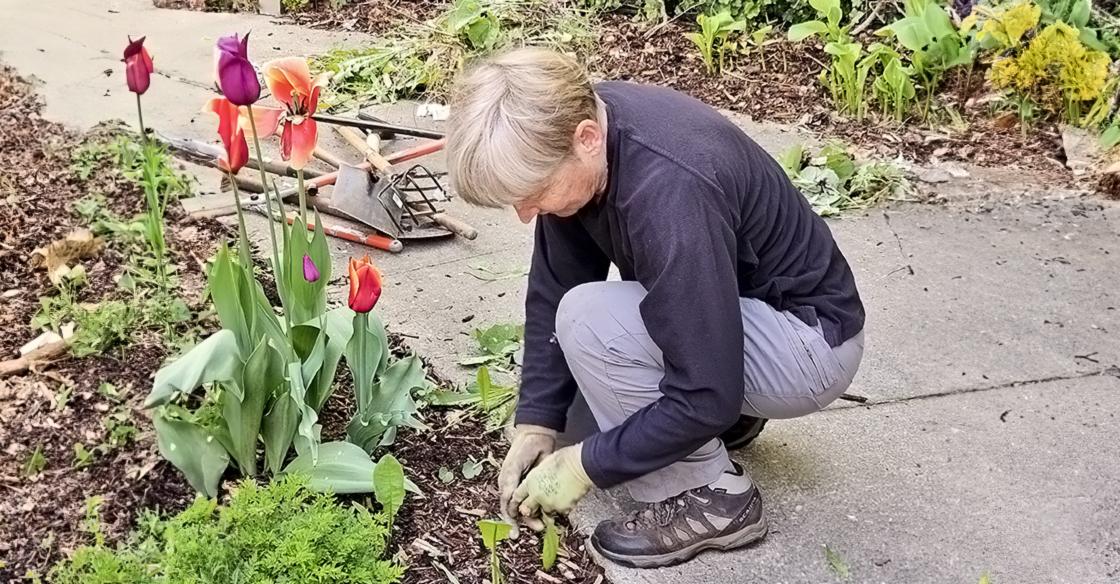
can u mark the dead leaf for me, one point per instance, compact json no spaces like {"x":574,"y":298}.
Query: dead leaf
{"x":58,"y":257}
{"x":1006,"y":121}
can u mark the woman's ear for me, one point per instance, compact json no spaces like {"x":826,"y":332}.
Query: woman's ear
{"x":589,"y":138}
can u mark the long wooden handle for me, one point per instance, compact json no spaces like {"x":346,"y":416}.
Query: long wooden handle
{"x":455,"y":225}
{"x":372,"y":156}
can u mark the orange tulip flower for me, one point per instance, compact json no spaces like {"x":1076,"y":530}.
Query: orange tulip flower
{"x":365,"y":285}
{"x":233,"y":137}
{"x":291,"y":84}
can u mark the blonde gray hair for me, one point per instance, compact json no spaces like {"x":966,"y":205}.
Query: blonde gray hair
{"x":512,"y":123}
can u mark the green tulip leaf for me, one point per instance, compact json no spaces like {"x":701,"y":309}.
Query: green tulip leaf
{"x":215,"y":359}
{"x":193,"y":450}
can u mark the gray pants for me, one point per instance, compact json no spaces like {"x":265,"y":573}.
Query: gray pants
{"x":789,"y":371}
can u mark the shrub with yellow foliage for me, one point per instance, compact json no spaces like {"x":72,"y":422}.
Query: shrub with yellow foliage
{"x":1056,"y":71}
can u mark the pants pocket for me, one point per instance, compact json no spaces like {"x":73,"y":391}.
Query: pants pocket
{"x":815,"y":356}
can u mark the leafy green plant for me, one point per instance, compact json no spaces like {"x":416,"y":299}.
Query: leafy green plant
{"x":291,"y":6}
{"x":713,"y":38}
{"x":388,"y":485}
{"x":387,"y":403}
{"x":495,"y":401}
{"x":283,"y":532}
{"x":83,"y":457}
{"x":494,"y":532}
{"x":420,"y":59}
{"x":472,"y":468}
{"x":847,"y":72}
{"x":836,"y":563}
{"x":833,"y":181}
{"x":550,"y":542}
{"x":35,"y":463}
{"x":894,"y":87}
{"x":935,"y":45}
{"x":497,"y":345}
{"x":102,"y":326}
{"x":478,"y":27}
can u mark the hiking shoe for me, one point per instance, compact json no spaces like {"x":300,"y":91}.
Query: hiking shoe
{"x":677,"y":529}
{"x":743,"y":432}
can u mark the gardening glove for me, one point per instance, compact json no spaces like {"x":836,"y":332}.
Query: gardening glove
{"x":530,"y":444}
{"x":554,"y":486}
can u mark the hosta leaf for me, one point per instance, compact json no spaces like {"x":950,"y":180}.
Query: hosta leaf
{"x":193,"y":450}
{"x":388,"y":484}
{"x":215,"y":359}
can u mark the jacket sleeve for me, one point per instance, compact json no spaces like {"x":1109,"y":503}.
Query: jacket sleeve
{"x":683,"y":244}
{"x":564,"y":256}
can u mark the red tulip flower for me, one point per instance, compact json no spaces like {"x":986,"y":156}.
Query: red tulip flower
{"x":290,"y":82}
{"x":233,"y":71}
{"x":233,"y":137}
{"x":137,"y":66}
{"x":365,"y":285}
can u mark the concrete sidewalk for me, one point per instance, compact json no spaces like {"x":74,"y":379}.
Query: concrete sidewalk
{"x":988,"y":443}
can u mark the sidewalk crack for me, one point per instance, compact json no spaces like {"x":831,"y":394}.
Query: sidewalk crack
{"x":1111,"y":371}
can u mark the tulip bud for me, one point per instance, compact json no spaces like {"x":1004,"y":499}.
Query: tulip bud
{"x":365,"y":285}
{"x":310,"y":272}
{"x":236,"y":76}
{"x":137,"y":66}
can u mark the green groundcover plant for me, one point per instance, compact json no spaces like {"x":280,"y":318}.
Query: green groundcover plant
{"x":283,"y":532}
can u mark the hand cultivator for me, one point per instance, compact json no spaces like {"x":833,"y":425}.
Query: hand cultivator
{"x":378,"y":202}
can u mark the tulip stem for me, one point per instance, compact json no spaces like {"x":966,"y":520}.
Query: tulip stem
{"x":242,"y":233}
{"x":278,"y":271}
{"x":302,"y":197}
{"x":140,"y":114}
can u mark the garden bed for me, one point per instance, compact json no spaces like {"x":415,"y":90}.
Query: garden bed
{"x":49,"y":486}
{"x":65,"y":403}
{"x":776,"y":82}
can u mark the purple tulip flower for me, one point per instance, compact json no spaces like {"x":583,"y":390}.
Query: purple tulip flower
{"x":310,"y":272}
{"x":235,"y":74}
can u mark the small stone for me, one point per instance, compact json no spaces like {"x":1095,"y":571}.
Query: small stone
{"x":934,"y":176}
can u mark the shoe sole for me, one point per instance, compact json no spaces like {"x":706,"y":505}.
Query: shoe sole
{"x":730,"y":541}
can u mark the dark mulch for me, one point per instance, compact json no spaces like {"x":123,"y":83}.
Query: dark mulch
{"x":58,"y":405}
{"x":777,"y":82}
{"x":440,"y":529}
{"x":780,"y":83}
{"x":370,"y":17}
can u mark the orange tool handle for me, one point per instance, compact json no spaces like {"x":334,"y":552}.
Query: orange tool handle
{"x":363,"y":237}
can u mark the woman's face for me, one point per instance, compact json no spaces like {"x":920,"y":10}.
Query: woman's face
{"x":578,"y":179}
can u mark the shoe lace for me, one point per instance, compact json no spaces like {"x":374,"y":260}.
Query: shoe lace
{"x":660,"y":513}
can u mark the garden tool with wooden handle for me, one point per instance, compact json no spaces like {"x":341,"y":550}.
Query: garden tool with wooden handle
{"x":385,"y":167}
{"x":405,"y":155}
